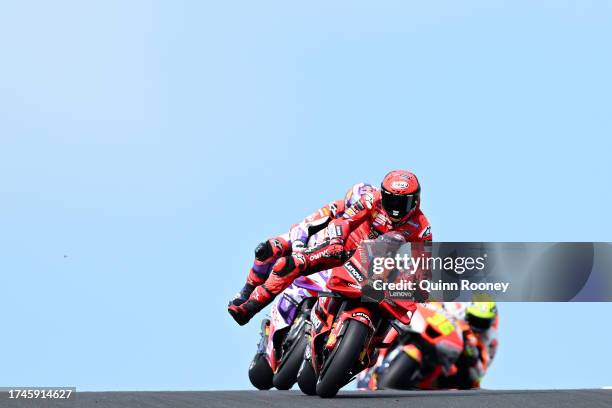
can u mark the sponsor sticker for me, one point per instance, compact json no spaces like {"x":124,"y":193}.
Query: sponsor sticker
{"x":369,"y":200}
{"x":363,"y":316}
{"x":425,"y":232}
{"x":349,"y":266}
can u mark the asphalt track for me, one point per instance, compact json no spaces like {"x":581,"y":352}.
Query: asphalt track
{"x":353,"y":399}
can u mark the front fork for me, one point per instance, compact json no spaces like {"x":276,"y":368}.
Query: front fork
{"x":301,"y":319}
{"x":328,"y":322}
{"x":264,"y":334}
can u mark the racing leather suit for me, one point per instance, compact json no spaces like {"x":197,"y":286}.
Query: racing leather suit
{"x":268,"y":252}
{"x":366,"y":219}
{"x":480,"y":347}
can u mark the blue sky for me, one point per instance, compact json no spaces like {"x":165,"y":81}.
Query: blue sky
{"x":146,"y":147}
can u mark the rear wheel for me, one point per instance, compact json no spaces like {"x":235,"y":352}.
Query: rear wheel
{"x":340,"y":364}
{"x":260,"y":373}
{"x":402,"y":373}
{"x":286,"y":375}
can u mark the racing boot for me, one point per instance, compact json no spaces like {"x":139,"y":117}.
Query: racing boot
{"x":266,"y":253}
{"x":259,"y":299}
{"x":284,"y":271}
{"x":242,"y":296}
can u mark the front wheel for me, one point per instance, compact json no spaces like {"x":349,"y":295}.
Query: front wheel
{"x":340,"y":364}
{"x":260,"y":373}
{"x":287,"y":373}
{"x":402,"y":373}
{"x":307,"y":379}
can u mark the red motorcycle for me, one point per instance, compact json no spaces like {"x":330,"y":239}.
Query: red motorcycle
{"x":423,"y":355}
{"x":348,"y":325}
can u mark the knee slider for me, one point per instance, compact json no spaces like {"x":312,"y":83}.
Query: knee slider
{"x":263,"y":251}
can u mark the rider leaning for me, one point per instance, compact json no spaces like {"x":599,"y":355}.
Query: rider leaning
{"x":295,"y":241}
{"x":480,"y":345}
{"x":396,"y":207}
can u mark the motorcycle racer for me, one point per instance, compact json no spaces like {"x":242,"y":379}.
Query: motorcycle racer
{"x":480,"y":344}
{"x":395,"y":208}
{"x":295,"y":241}
{"x":479,"y":324}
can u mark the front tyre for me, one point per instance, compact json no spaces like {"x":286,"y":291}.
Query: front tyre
{"x":307,"y":379}
{"x":260,"y":373}
{"x":287,"y":373}
{"x":340,"y":364}
{"x":402,"y":373}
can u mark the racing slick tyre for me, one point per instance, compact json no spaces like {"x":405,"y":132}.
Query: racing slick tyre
{"x":260,"y":373}
{"x":287,"y":373}
{"x":307,"y":379}
{"x":402,"y":373}
{"x":339,"y":365}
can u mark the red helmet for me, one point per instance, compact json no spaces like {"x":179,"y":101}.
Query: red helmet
{"x":401,"y":192}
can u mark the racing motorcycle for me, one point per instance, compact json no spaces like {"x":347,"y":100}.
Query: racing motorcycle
{"x":348,"y":324}
{"x":282,"y":340}
{"x":425,"y":352}
{"x":281,"y":347}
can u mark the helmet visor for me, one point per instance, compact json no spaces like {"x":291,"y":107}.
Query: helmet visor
{"x":479,"y":323}
{"x":396,"y":205}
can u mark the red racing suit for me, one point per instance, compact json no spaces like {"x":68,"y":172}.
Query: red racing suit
{"x":366,"y":219}
{"x":293,"y":241}
{"x":479,"y":351}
